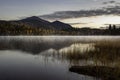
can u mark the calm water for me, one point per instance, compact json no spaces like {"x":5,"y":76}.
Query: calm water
{"x":44,"y":58}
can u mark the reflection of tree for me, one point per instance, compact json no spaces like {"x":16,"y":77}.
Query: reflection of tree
{"x":34,"y":46}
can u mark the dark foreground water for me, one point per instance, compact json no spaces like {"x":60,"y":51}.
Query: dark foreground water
{"x":46,"y":57}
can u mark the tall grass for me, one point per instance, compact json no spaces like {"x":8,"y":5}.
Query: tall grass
{"x":104,"y":52}
{"x":106,"y":58}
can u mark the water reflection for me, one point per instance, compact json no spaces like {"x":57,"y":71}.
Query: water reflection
{"x":36,"y":44}
{"x":49,"y":58}
{"x":71,"y":53}
{"x":15,"y":65}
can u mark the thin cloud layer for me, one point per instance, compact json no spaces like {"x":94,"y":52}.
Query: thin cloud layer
{"x":109,"y":10}
{"x":76,"y":23}
{"x":109,"y":2}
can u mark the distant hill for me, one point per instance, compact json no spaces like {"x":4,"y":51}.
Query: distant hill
{"x":61,"y":26}
{"x":38,"y":22}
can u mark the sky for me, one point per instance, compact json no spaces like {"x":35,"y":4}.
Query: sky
{"x":78,"y":13}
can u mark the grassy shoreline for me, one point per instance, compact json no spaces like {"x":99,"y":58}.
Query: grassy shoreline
{"x":105,"y":73}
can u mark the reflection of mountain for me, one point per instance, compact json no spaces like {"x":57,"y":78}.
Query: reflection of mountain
{"x":33,"y":46}
{"x":37,"y":44}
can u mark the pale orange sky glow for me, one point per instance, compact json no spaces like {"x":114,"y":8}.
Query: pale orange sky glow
{"x":93,"y":22}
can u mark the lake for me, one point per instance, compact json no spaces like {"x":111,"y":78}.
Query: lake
{"x":50,"y":57}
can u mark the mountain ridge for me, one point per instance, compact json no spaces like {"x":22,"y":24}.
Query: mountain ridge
{"x":61,"y":26}
{"x":35,"y":21}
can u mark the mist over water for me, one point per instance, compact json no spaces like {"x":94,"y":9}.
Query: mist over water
{"x":50,"y":57}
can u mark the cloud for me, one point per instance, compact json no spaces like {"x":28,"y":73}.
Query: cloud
{"x":109,"y":2}
{"x":76,"y":23}
{"x":113,"y":24}
{"x":109,"y":10}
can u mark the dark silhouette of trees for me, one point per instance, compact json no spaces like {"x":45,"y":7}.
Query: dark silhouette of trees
{"x":114,"y":27}
{"x":12,"y":28}
{"x":110,"y":27}
{"x":113,"y":30}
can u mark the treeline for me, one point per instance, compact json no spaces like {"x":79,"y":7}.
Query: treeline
{"x":13,"y":28}
{"x":112,"y":30}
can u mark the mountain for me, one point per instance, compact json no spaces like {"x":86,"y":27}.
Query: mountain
{"x":61,"y":26}
{"x":34,"y":18}
{"x":36,"y":22}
